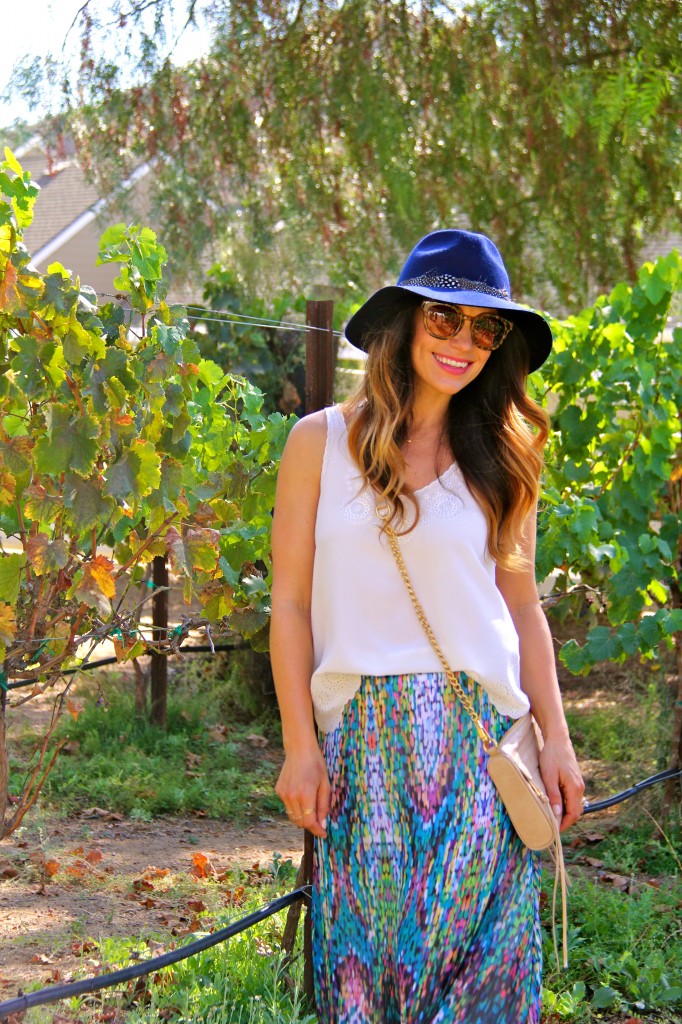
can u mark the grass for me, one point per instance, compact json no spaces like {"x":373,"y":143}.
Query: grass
{"x":625,"y":953}
{"x":242,"y":981}
{"x":618,"y":732}
{"x":122,"y":763}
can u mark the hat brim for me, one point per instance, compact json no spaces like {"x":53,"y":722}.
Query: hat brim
{"x":382,"y":304}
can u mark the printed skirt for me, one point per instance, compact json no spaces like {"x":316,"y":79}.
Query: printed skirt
{"x":425,"y":902}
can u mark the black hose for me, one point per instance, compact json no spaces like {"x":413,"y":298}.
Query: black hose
{"x":600,"y":805}
{"x":79,"y":988}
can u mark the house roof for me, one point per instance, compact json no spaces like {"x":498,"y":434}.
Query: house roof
{"x":64,"y":193}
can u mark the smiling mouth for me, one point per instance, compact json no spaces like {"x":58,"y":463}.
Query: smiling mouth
{"x":459,"y":364}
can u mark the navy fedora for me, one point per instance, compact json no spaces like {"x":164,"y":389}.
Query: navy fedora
{"x":459,"y":267}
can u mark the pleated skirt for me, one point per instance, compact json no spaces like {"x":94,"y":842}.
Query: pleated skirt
{"x":425,"y":902}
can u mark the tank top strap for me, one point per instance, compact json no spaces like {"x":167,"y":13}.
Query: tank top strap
{"x":336,"y":438}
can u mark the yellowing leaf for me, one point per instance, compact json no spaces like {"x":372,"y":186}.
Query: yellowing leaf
{"x":46,"y":556}
{"x":8,"y":288}
{"x":74,"y":709}
{"x":99,"y":572}
{"x":8,"y":487}
{"x":202,"y":547}
{"x":95,"y":585}
{"x":39,"y":504}
{"x":8,"y":623}
{"x":126,"y":651}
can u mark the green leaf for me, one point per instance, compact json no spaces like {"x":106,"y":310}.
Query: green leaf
{"x":110,"y":243}
{"x":603,"y":644}
{"x":71,"y":444}
{"x":10,"y":576}
{"x":89,"y":506}
{"x":650,"y":631}
{"x":135,"y":474}
{"x":604,"y":997}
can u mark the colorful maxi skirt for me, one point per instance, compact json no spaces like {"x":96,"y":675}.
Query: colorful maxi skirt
{"x":425,"y":902}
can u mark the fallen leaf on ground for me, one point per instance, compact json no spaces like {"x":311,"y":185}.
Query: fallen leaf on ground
{"x":153,"y":872}
{"x":81,"y":948}
{"x":592,"y":862}
{"x":617,"y":881}
{"x":218,"y":733}
{"x":234,"y":897}
{"x":256,"y":740}
{"x":100,"y":812}
{"x":202,"y":867}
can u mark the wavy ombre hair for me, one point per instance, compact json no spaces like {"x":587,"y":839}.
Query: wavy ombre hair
{"x":495,"y":432}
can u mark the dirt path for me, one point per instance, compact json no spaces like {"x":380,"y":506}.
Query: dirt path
{"x":102,"y":884}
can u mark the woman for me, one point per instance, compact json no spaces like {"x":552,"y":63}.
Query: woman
{"x":425,"y":902}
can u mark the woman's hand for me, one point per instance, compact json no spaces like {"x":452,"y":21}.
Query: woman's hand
{"x":563,"y":780}
{"x":303,"y":787}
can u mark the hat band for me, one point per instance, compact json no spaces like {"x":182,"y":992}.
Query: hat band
{"x":461,"y":284}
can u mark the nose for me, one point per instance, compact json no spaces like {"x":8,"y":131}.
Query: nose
{"x":463,"y":338}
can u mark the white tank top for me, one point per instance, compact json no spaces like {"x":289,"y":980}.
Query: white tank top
{"x":363,"y":620}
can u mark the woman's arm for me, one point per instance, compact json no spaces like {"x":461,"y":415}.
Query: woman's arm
{"x":303,"y":784}
{"x":558,"y":764}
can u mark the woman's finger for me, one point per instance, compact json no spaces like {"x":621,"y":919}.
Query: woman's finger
{"x":573,"y":801}
{"x":311,"y":822}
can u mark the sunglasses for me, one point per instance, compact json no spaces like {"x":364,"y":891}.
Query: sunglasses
{"x":488,"y":330}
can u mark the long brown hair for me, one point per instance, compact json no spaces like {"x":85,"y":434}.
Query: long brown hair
{"x":495,"y":431}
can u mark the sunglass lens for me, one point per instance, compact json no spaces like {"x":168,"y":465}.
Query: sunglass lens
{"x":488,"y":331}
{"x":443,"y":321}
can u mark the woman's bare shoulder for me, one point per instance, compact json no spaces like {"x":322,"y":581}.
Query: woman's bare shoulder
{"x":306,"y":443}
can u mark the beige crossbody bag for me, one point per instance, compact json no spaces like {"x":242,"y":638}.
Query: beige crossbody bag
{"x":513,"y":763}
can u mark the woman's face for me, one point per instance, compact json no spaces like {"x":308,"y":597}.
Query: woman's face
{"x":445,"y":367}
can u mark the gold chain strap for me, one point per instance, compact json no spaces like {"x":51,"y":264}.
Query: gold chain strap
{"x":383,"y":512}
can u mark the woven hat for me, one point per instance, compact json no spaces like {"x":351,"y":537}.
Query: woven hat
{"x":458,"y":267}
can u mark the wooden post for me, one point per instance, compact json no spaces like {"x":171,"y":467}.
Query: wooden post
{"x":320,"y":352}
{"x":319,"y":392}
{"x":159,"y":666}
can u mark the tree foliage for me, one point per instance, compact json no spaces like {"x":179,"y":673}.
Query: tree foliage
{"x":319,"y":140}
{"x":245,"y":335}
{"x":612,"y":499}
{"x":611,"y":521}
{"x":116,"y":445}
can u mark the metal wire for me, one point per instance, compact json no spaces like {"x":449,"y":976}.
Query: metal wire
{"x":243,"y":319}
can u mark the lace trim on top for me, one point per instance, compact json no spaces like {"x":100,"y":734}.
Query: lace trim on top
{"x":439,"y":500}
{"x":332,"y":691}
